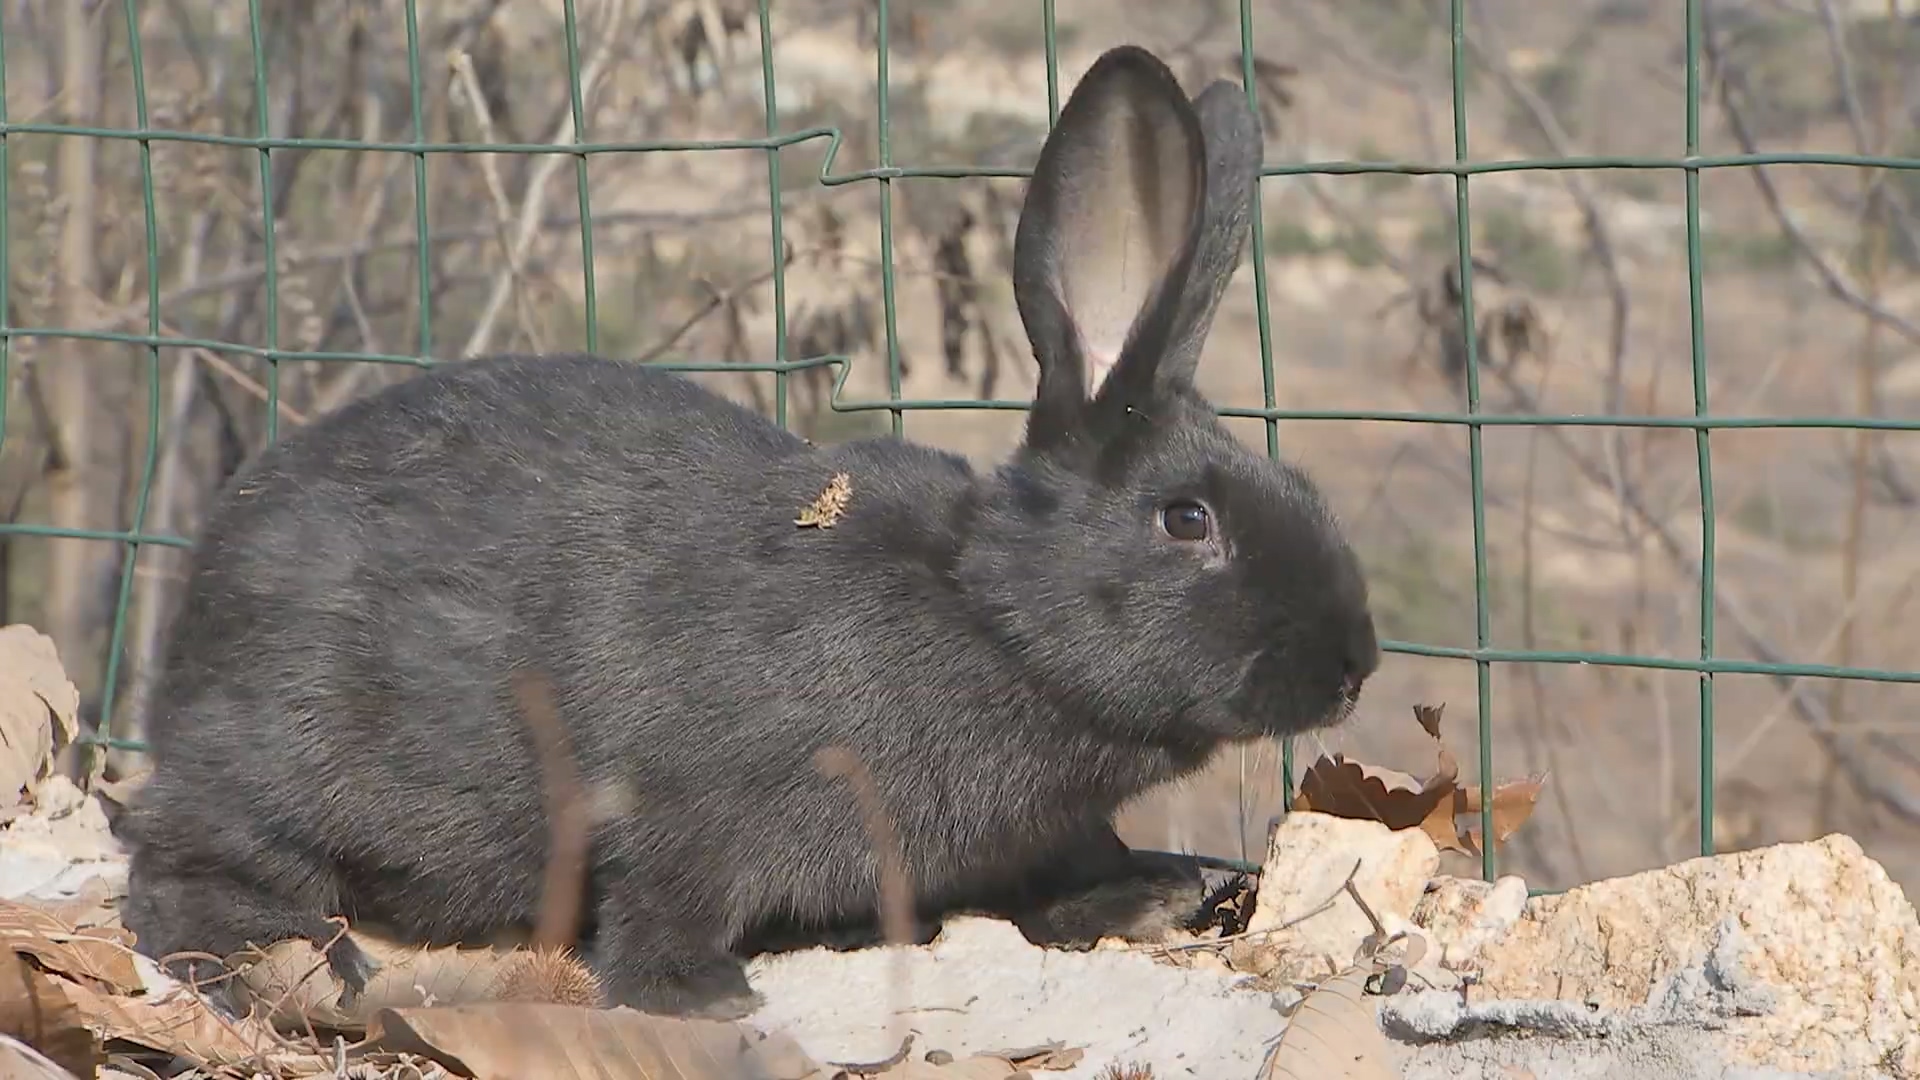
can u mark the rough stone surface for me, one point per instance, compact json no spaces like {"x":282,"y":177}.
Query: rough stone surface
{"x":1309,"y":856}
{"x":1808,"y":954}
{"x":1463,"y":916}
{"x":981,"y":986}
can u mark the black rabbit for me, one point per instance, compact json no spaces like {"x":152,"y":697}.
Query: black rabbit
{"x":1012,"y":655}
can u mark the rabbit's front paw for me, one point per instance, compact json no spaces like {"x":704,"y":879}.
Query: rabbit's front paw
{"x":1139,"y":909}
{"x":731,"y":1007}
{"x":665,"y":964}
{"x":353,"y":967}
{"x":707,"y":988}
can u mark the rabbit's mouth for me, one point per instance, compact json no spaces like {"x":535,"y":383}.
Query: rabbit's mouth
{"x":1344,"y":705}
{"x":1275,"y":701}
{"x":1332,"y":714}
{"x":1337,"y":711}
{"x":1349,"y":695}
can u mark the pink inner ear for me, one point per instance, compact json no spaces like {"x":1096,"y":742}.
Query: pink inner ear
{"x":1099,"y":365}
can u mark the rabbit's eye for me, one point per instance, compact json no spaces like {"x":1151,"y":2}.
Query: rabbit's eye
{"x":1186,"y":521}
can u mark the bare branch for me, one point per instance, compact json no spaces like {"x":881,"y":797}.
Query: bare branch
{"x":1839,"y":285}
{"x":515,"y":254}
{"x":531,"y":206}
{"x":1854,"y":763}
{"x":1882,"y":187}
{"x":72,"y":392}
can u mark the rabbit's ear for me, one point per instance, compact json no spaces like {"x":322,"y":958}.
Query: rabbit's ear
{"x":1107,"y":232}
{"x":1234,"y":150}
{"x":1164,"y":346}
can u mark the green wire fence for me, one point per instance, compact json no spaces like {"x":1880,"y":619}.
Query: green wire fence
{"x":1483,"y":655}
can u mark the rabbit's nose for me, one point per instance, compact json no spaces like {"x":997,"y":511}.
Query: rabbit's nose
{"x":1362,"y":657}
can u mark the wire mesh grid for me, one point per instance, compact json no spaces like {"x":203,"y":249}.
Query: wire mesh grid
{"x":582,"y":147}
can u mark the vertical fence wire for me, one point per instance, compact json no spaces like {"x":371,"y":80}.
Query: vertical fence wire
{"x":889,"y":296}
{"x":1263,"y":321}
{"x":6,"y":254}
{"x":423,"y":240}
{"x":269,"y":217}
{"x":1697,"y":339}
{"x":1476,"y":465}
{"x":776,"y":219}
{"x":576,"y":100}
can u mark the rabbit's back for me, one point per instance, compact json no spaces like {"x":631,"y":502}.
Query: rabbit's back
{"x":452,"y":517}
{"x":339,"y":676}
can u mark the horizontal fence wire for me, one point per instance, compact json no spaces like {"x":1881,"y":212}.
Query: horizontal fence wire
{"x":141,"y":325}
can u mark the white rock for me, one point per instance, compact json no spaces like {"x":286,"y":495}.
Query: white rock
{"x":1309,"y":856}
{"x":1462,"y":916}
{"x":1797,"y":957}
{"x":982,"y":986}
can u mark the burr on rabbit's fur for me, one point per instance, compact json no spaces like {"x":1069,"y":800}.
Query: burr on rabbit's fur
{"x":1012,"y":654}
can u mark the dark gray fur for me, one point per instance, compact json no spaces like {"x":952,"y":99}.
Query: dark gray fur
{"x":1013,"y":654}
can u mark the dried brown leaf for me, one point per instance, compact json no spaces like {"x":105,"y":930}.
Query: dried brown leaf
{"x":1415,"y":950}
{"x":1438,"y":805}
{"x":1513,"y":804}
{"x":178,"y":1022}
{"x":502,"y":1041}
{"x":1429,"y":717}
{"x":1064,"y":1058}
{"x":92,"y":905}
{"x":1045,"y":1056}
{"x":1343,"y":787}
{"x":1351,"y":789}
{"x":39,"y":710}
{"x":36,"y":1009}
{"x":1332,"y":1036}
{"x":290,"y":981}
{"x":98,"y":954}
{"x":1441,"y":824}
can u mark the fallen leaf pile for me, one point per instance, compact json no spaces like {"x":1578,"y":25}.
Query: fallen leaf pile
{"x":1445,"y":809}
{"x":39,"y":711}
{"x":1332,"y":1035}
{"x":76,"y":996}
{"x":290,"y":983}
